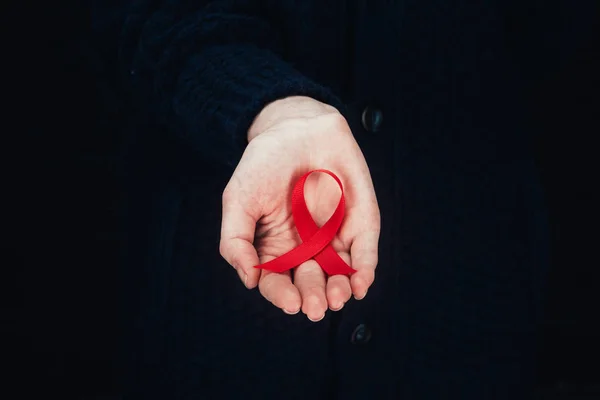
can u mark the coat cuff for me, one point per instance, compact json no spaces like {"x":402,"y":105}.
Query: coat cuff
{"x":222,"y":90}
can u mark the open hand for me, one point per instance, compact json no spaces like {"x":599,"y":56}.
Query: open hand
{"x":289,"y":138}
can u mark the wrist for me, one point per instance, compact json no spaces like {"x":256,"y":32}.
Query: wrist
{"x":288,"y":108}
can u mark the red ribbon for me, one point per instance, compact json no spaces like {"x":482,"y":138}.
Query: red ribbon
{"x":315,"y":241}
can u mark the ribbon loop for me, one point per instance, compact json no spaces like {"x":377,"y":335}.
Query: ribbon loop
{"x":315,"y":241}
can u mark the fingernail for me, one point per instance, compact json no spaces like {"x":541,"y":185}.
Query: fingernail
{"x":361,"y":297}
{"x":338,"y":306}
{"x":291,"y":312}
{"x":316,"y":320}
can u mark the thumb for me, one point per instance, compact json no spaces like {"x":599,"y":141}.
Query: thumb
{"x":236,"y":245}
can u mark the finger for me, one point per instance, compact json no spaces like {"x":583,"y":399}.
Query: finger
{"x":364,"y":257}
{"x":279,"y":290}
{"x":309,"y":278}
{"x":323,"y":198}
{"x":360,"y":230}
{"x":237,"y":236}
{"x":338,"y":287}
{"x":362,"y":210}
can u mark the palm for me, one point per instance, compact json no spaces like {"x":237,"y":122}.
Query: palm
{"x":276,"y":233}
{"x":258,"y":224}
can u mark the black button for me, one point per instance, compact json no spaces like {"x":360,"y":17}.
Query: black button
{"x":361,"y":335}
{"x":372,"y":118}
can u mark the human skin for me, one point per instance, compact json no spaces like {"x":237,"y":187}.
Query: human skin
{"x":287,"y":139}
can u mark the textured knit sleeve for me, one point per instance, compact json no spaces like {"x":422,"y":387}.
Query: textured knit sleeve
{"x":207,"y":68}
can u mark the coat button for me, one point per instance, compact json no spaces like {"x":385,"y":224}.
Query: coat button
{"x":361,"y":335}
{"x":372,"y":118}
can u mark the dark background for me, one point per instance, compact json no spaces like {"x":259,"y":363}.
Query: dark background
{"x":62,"y":156}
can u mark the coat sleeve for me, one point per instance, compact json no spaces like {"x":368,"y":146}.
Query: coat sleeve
{"x":205,"y":69}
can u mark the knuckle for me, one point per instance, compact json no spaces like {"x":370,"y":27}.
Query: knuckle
{"x":375,"y":217}
{"x":265,"y":288}
{"x":222,"y":248}
{"x":369,"y":276}
{"x":308,"y":269}
{"x":226,"y":195}
{"x":371,"y":259}
{"x":231,"y":257}
{"x":339,"y":291}
{"x":336,"y":124}
{"x":234,"y":260}
{"x":315,"y":297}
{"x":366,"y":261}
{"x":337,"y":121}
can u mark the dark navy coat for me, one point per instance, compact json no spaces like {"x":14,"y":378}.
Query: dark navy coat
{"x":435,"y":94}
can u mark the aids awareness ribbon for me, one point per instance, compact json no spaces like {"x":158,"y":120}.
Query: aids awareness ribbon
{"x":315,"y":241}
